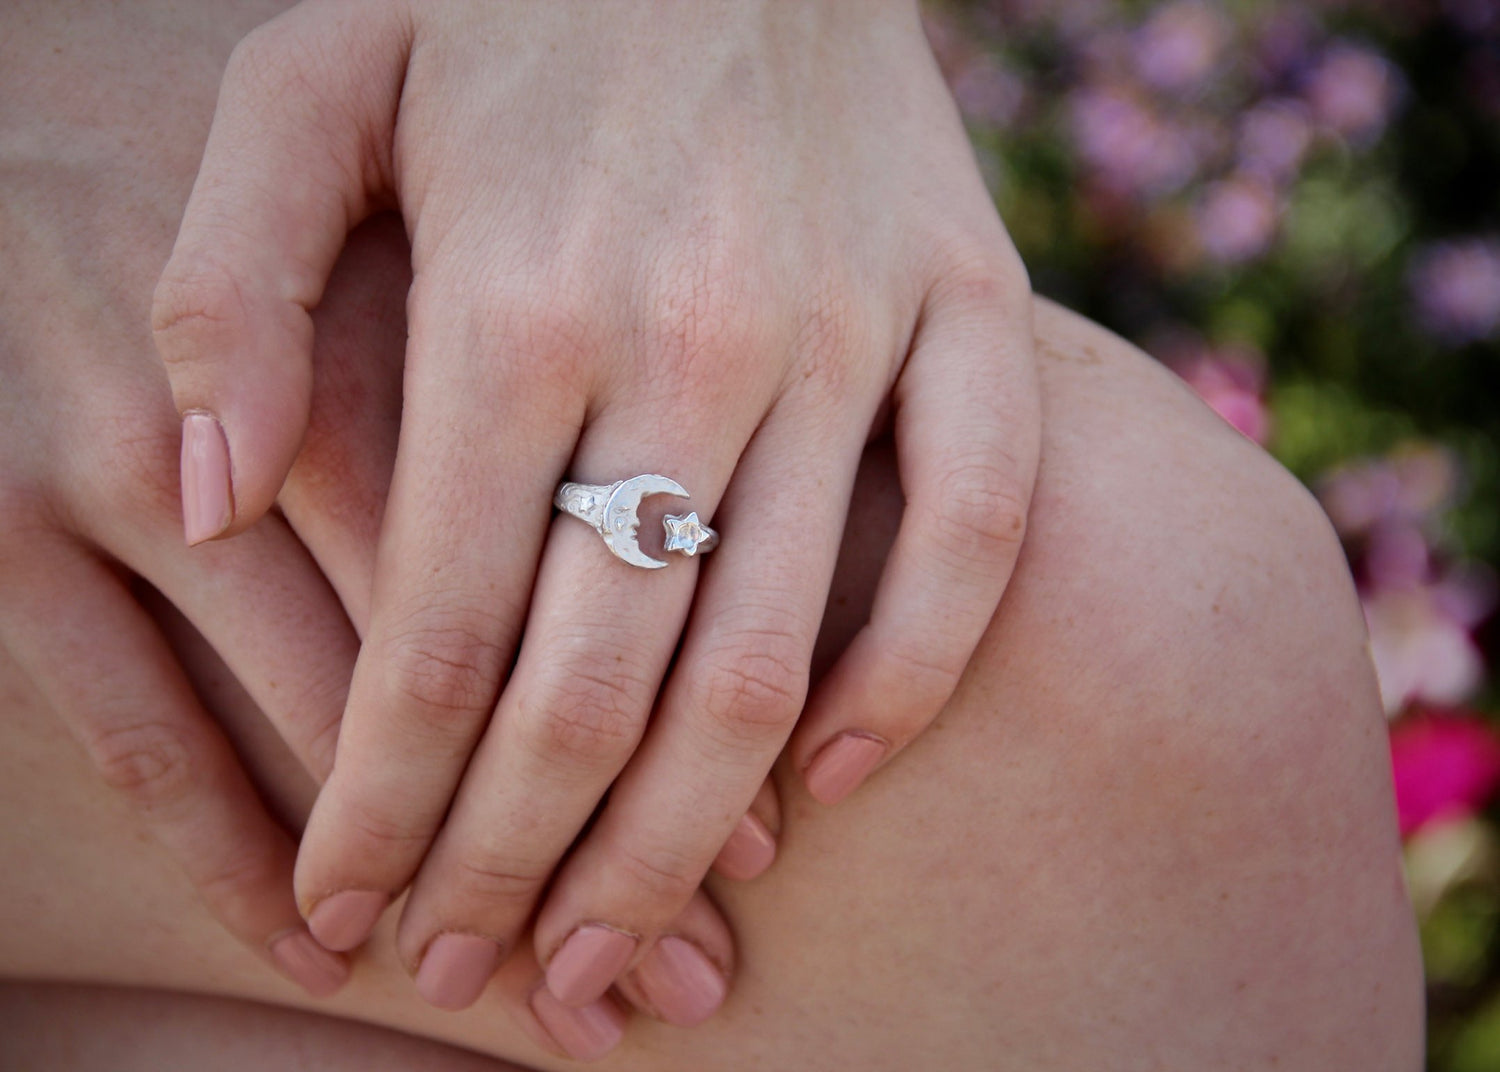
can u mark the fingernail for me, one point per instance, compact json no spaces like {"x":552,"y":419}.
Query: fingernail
{"x":456,"y":969}
{"x":748,"y":852}
{"x":585,"y":1034}
{"x":309,"y":965}
{"x":586,"y":965}
{"x":680,"y":982}
{"x":843,"y":763}
{"x":207,"y":498}
{"x":344,"y":920}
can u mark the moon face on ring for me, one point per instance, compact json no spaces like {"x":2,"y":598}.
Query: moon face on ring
{"x":622,"y":519}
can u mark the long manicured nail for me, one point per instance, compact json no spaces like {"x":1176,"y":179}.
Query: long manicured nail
{"x":585,"y":1034}
{"x":456,"y":969}
{"x":309,"y":965}
{"x":748,"y":852}
{"x":586,"y":965}
{"x":207,"y":495}
{"x":842,"y":764}
{"x":344,"y":920}
{"x":680,"y":982}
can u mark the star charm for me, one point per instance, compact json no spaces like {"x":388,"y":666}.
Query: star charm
{"x":684,"y":534}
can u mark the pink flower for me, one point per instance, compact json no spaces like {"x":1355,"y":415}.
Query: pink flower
{"x":1231,"y":380}
{"x":1421,"y":652}
{"x":1456,"y":286}
{"x":1411,"y":485}
{"x":1444,"y":765}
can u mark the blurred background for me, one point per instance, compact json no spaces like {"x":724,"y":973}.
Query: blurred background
{"x":1296,"y":206}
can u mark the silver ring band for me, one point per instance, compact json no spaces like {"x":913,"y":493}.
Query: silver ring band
{"x":612,"y":510}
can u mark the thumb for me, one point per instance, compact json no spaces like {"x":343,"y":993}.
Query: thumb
{"x":298,"y":154}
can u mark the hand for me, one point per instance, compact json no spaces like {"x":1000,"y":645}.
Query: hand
{"x":88,"y":461}
{"x":707,"y":240}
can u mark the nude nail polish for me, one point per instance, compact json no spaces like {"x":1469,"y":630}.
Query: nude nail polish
{"x":207,"y":494}
{"x":309,"y":965}
{"x":344,"y":920}
{"x":751,"y":849}
{"x":681,"y":983}
{"x":455,"y":970}
{"x":587,"y":963}
{"x":843,"y":763}
{"x":585,"y":1034}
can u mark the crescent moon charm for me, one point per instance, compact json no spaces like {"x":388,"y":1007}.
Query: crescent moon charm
{"x":614,"y":512}
{"x":622,"y":520}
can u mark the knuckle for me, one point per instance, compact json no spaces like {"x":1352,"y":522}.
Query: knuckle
{"x":661,"y":876}
{"x":196,"y":309}
{"x":922,"y":679}
{"x":472,"y":881}
{"x":445,"y":676}
{"x":755,"y":693}
{"x":236,"y":883}
{"x":394,"y":830}
{"x":151,"y":764}
{"x":585,"y":720}
{"x":979,"y":514}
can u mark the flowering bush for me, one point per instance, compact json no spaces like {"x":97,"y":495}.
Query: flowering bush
{"x":1293,"y":204}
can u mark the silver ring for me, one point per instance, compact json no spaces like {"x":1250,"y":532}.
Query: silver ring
{"x":613,"y":511}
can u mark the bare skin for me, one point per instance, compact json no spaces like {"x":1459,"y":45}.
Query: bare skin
{"x":1152,"y":829}
{"x":1154,"y":821}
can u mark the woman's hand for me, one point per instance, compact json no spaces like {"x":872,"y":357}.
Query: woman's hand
{"x":91,"y":184}
{"x":709,"y":240}
{"x":89,"y":457}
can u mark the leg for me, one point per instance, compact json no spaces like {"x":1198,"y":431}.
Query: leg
{"x":1153,"y":829}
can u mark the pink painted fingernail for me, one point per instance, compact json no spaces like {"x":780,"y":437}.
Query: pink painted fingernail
{"x":586,"y":965}
{"x":207,"y":495}
{"x":748,"y":852}
{"x":344,"y":920}
{"x":585,"y":1034}
{"x":309,"y":965}
{"x":456,"y":969}
{"x":843,"y":763}
{"x":680,"y":982}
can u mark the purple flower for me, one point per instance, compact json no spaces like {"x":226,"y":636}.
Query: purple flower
{"x":1127,"y":146}
{"x":1179,"y":45}
{"x":1352,"y":91}
{"x":987,"y":91}
{"x":1273,"y":137}
{"x":1237,"y":219}
{"x":1456,"y":286}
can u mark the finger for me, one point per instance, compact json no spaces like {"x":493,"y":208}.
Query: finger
{"x":696,"y":943}
{"x":99,"y":661}
{"x":681,"y":978}
{"x":290,"y":164}
{"x":573,"y":710}
{"x":334,"y":497}
{"x":455,"y":571}
{"x":735,"y":693}
{"x":282,"y":604}
{"x":751,"y":847}
{"x":968,"y":442}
